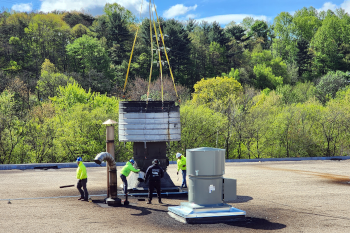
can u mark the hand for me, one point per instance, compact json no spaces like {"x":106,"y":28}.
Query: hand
{"x":183,"y":165}
{"x":177,"y":173}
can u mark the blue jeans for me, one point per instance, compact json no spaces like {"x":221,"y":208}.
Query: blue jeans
{"x":125,"y":183}
{"x":184,"y":179}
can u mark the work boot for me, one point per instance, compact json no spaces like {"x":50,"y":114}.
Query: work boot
{"x":160,"y":202}
{"x":149,"y":202}
{"x":80,"y":198}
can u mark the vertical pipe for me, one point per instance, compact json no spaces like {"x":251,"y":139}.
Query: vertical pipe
{"x":107,"y":166}
{"x":111,"y":172}
{"x":109,"y":149}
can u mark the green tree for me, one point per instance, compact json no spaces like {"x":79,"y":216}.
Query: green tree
{"x":11,"y":128}
{"x":50,"y":80}
{"x":266,"y":78}
{"x":330,"y":84}
{"x":48,"y":35}
{"x":325,"y":43}
{"x":201,"y":127}
{"x":87,"y":53}
{"x":303,"y":57}
{"x":215,"y":92}
{"x":79,"y":30}
{"x":284,"y":42}
{"x":178,"y":42}
{"x":306,"y":23}
{"x":74,"y":18}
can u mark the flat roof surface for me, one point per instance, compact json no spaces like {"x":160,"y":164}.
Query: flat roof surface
{"x":288,"y":196}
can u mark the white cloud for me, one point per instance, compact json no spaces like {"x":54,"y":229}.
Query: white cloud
{"x":330,"y":6}
{"x":192,"y":16}
{"x":225,"y":19}
{"x":346,"y":6}
{"x":177,"y":10}
{"x":93,"y":6}
{"x":22,"y":7}
{"x":327,"y":6}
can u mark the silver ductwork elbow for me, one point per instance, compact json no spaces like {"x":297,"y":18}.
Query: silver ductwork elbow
{"x":105,"y":156}
{"x":112,"y":185}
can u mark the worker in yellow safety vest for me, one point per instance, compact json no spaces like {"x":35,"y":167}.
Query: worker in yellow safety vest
{"x":82,"y":180}
{"x":181,"y":164}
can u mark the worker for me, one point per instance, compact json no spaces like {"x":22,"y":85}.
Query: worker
{"x":82,"y":180}
{"x":181,"y":164}
{"x":125,"y":173}
{"x":154,"y":173}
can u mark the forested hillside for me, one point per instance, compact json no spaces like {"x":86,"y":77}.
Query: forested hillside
{"x":257,"y":89}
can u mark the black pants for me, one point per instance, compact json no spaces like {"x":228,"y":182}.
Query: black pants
{"x":154,"y":184}
{"x":125,"y":183}
{"x":84,"y":194}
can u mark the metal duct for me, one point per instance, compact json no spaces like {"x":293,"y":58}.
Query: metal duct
{"x":113,"y":192}
{"x":105,"y":156}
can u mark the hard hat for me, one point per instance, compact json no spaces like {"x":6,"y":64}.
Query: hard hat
{"x":132,"y":161}
{"x":155,"y":161}
{"x":79,"y":159}
{"x":178,"y":155}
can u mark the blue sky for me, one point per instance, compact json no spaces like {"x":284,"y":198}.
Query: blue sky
{"x":222,"y":11}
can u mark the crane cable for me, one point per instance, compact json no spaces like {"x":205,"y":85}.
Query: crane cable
{"x":166,"y":54}
{"x":160,"y":59}
{"x":132,"y":51}
{"x":151,"y":35}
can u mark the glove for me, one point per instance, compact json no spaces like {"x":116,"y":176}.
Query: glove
{"x":183,"y":165}
{"x":177,"y":173}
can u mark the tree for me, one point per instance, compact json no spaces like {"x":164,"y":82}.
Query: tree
{"x":215,"y":92}
{"x":332,"y":123}
{"x":191,"y":24}
{"x":259,"y":33}
{"x":48,"y":35}
{"x":234,"y":73}
{"x":325,"y":43}
{"x":74,"y":18}
{"x":266,"y":78}
{"x":216,"y":59}
{"x":40,"y":133}
{"x":306,"y":23}
{"x":118,"y":33}
{"x":217,"y":34}
{"x":330,"y":84}
{"x":87,"y":53}
{"x":235,"y":32}
{"x":198,"y":55}
{"x":299,"y":93}
{"x":264,"y":63}
{"x":303,"y":57}
{"x":79,"y":123}
{"x":179,"y":55}
{"x":11,"y":128}
{"x":79,"y":30}
{"x":284,"y":41}
{"x":50,"y":81}
{"x":201,"y":127}
{"x":138,"y":88}
{"x":247,"y":23}
{"x":125,"y":14}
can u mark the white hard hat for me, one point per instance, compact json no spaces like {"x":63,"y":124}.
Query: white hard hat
{"x":178,"y":155}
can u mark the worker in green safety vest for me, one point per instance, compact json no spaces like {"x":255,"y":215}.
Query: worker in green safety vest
{"x":82,"y":180}
{"x":181,"y":164}
{"x":125,"y":173}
